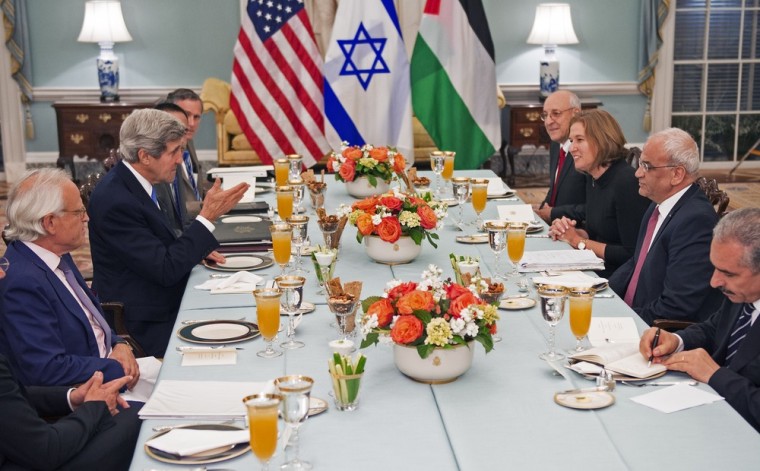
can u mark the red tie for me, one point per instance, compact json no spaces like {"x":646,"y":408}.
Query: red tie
{"x":631,"y":291}
{"x":560,"y":163}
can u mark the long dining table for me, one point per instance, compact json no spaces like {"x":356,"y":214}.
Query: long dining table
{"x":500,"y":414}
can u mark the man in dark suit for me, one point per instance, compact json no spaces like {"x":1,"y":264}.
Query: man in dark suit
{"x":172,"y":197}
{"x":669,"y":274}
{"x":567,"y":188}
{"x":724,"y":351}
{"x":137,"y":258}
{"x":190,"y":177}
{"x":100,"y":433}
{"x":52,"y":328}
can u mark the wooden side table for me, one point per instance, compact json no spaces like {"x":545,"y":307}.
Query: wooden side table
{"x":527,"y":129}
{"x":89,"y":129}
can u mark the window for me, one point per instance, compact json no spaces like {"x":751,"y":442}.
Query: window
{"x":716,"y":75}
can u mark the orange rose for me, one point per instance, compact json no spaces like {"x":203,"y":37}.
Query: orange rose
{"x":379,"y":153}
{"x":415,"y":301}
{"x":428,"y":219}
{"x":347,"y":170}
{"x":383,"y":309}
{"x":330,"y":163}
{"x":454,"y":290}
{"x":389,"y":229}
{"x":402,"y":289}
{"x":352,"y":153}
{"x":407,"y":329}
{"x":399,"y":163}
{"x":393,"y":203}
{"x":367,"y":204}
{"x":364,"y":224}
{"x":461,"y":302}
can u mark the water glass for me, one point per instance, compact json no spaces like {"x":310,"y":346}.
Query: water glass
{"x":292,"y":297}
{"x":461,"y":189}
{"x":552,"y":309}
{"x":295,"y":162}
{"x":299,"y":236}
{"x":294,"y":407}
{"x":299,"y":188}
{"x":497,"y":240}
{"x":436,"y":165}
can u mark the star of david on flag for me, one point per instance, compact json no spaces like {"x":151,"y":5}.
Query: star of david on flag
{"x":367,"y":86}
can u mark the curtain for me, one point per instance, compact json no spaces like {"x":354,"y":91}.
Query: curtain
{"x":17,"y":42}
{"x":653,"y":14}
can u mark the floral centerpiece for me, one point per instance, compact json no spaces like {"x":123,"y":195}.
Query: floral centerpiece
{"x":430,"y":314}
{"x":368,"y":161}
{"x":395,"y":214}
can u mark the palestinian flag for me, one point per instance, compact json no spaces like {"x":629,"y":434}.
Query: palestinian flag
{"x":454,"y":80}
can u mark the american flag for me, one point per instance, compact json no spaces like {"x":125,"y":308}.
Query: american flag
{"x":277,"y":82}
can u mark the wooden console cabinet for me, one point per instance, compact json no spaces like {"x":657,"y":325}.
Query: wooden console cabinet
{"x":89,"y":129}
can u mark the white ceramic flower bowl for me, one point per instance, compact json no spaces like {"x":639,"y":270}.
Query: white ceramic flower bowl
{"x":441,"y":366}
{"x":361,"y":188}
{"x":402,"y":251}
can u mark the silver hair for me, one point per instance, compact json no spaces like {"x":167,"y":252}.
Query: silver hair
{"x":150,"y":130}
{"x":743,"y":226}
{"x":680,"y":148}
{"x":37,"y":194}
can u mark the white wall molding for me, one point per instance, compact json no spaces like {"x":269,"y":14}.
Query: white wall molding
{"x":80,"y":93}
{"x":51,"y":157}
{"x":583,"y":89}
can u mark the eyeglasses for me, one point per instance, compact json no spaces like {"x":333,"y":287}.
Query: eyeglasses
{"x":78,"y":212}
{"x":555,"y":114}
{"x":647,"y":166}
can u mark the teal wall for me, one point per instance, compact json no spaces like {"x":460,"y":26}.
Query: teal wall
{"x":179,"y":43}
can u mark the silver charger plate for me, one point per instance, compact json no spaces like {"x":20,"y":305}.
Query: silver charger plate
{"x":209,"y":456}
{"x":242,"y":261}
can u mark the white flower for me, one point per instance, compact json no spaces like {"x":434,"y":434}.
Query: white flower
{"x":343,"y":210}
{"x":471,"y":330}
{"x":392,"y":284}
{"x":377,"y":219}
{"x":368,"y":323}
{"x":457,"y":325}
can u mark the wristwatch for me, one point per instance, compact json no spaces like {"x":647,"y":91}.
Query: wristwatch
{"x":122,"y":342}
{"x":582,"y":244}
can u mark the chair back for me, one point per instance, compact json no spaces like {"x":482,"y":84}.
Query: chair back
{"x":717,"y":197}
{"x":114,"y":315}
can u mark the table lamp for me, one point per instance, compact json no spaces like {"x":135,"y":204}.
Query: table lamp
{"x":104,"y":24}
{"x":552,"y":26}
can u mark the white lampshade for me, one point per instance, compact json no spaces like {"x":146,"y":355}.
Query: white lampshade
{"x":553,"y":25}
{"x":103,"y":22}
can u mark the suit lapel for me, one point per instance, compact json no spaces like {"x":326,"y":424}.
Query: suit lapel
{"x":679,"y":204}
{"x":750,"y":347}
{"x":142,"y":196}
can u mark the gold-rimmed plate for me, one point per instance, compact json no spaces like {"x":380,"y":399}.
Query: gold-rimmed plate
{"x":209,"y":456}
{"x":219,"y":331}
{"x":585,"y":400}
{"x":473,"y":239}
{"x":240,"y":219}
{"x":505,"y":194}
{"x":240,"y":261}
{"x":533,"y":228}
{"x":517,"y":304}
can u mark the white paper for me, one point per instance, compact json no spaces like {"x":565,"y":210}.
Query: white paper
{"x":610,"y":330}
{"x":212,"y":400}
{"x":570,"y":279}
{"x":149,"y":369}
{"x":231,"y":179}
{"x":516,"y":212}
{"x":675,"y":398}
{"x":186,"y":442}
{"x":207,"y":356}
{"x":558,"y":260}
{"x":496,"y":187}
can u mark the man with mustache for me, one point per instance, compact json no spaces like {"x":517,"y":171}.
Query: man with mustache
{"x":724,"y":350}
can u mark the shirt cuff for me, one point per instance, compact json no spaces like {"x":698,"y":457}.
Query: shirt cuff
{"x":68,"y":398}
{"x":206,"y":223}
{"x":680,"y":344}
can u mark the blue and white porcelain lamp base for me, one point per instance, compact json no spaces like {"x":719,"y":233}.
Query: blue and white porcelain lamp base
{"x":549,"y":72}
{"x":108,"y":73}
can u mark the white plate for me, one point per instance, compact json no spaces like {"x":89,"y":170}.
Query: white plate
{"x":237,"y":262}
{"x":220,"y":331}
{"x":240,"y":219}
{"x":515,"y":304}
{"x":587,"y":400}
{"x":450,"y":202}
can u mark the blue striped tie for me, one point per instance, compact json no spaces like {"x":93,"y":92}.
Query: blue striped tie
{"x":154,"y":197}
{"x":190,"y":177}
{"x":741,"y":328}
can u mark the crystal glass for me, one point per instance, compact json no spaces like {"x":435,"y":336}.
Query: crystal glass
{"x":497,"y":240}
{"x":448,"y":168}
{"x":294,"y":407}
{"x":300,"y":226}
{"x":343,"y":308}
{"x":516,"y":245}
{"x":324,"y":261}
{"x":285,"y":195}
{"x":461,"y":188}
{"x":282,"y":234}
{"x":553,"y":309}
{"x":299,"y":187}
{"x":281,"y":172}
{"x":317,"y":193}
{"x":263,"y":410}
{"x":436,"y":164}
{"x":268,"y":318}
{"x":295,"y":163}
{"x":581,"y":300}
{"x":292,"y":297}
{"x":479,"y":190}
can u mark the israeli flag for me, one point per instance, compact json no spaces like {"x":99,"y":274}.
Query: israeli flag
{"x":367,"y":87}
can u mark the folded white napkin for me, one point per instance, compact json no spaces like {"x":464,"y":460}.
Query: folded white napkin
{"x":202,"y":399}
{"x":240,"y":282}
{"x":149,"y":369}
{"x":496,"y":187}
{"x":570,"y":279}
{"x":186,"y":442}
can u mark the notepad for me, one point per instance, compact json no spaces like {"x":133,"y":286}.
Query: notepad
{"x":610,"y":330}
{"x":622,"y":358}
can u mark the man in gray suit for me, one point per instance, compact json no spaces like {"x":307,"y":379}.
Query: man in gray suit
{"x":190,"y":176}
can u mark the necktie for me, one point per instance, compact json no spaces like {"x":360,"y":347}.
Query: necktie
{"x":560,"y":163}
{"x":102,"y":331}
{"x":631,"y":291}
{"x":741,"y":328}
{"x":154,"y":197}
{"x":189,"y":167}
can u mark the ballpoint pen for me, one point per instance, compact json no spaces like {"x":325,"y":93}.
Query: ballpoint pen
{"x":654,"y":344}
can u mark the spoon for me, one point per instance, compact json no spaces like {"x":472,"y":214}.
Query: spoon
{"x":660,"y":383}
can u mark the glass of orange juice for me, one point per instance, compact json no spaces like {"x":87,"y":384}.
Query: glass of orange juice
{"x":268,"y":317}
{"x":263,"y":411}
{"x":581,"y":300}
{"x":448,"y":167}
{"x":281,"y":244}
{"x":281,"y":172}
{"x":516,"y":244}
{"x":285,"y":201}
{"x":479,"y":194}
